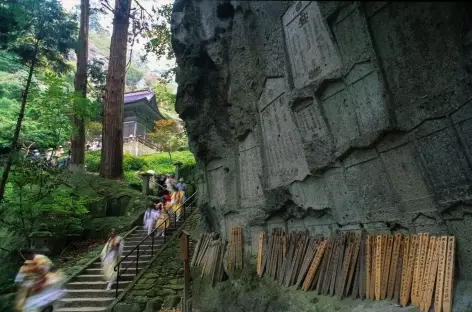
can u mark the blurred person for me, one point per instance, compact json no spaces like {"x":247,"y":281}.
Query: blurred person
{"x":39,"y":286}
{"x":150,"y":218}
{"x":110,"y":256}
{"x":177,"y":202}
{"x":182,"y":187}
{"x":162,"y":222}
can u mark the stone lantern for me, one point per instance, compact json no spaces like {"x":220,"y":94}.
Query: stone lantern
{"x":40,"y":241}
{"x":177,"y":165}
{"x":146,"y":179}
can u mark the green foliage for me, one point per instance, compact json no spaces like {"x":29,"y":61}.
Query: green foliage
{"x":133,"y":180}
{"x":165,"y":98}
{"x":54,"y":107}
{"x":134,"y":163}
{"x":9,"y":241}
{"x":101,"y":41}
{"x":92,"y":161}
{"x":45,"y":36}
{"x":37,"y":195}
{"x":9,"y":62}
{"x":158,"y":162}
{"x":161,"y":163}
{"x":167,"y":135}
{"x":133,"y":76}
{"x":160,"y":33}
{"x":93,"y":130}
{"x":47,"y":118}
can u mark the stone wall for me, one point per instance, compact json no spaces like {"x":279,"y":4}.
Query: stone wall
{"x":136,"y":148}
{"x":329,"y":115}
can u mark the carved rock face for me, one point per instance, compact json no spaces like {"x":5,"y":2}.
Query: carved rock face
{"x":357,"y":110}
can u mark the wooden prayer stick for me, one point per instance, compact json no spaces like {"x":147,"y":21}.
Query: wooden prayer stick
{"x":398,"y":277}
{"x":438,"y":301}
{"x":393,"y":266}
{"x":425,"y":284}
{"x":353,"y":263}
{"x":386,"y":266}
{"x":404,"y":291}
{"x":378,"y":267}
{"x":449,"y":275}
{"x":368,"y":265}
{"x":362,"y":267}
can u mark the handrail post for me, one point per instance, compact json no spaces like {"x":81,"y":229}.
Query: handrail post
{"x":152,"y":243}
{"x":117,"y":280}
{"x":137,"y":260}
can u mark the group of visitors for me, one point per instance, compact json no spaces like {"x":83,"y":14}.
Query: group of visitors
{"x":93,"y":146}
{"x":59,"y":157}
{"x":40,"y":286}
{"x":172,"y":198}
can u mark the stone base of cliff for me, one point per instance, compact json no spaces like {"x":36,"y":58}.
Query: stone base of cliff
{"x":246,"y":292}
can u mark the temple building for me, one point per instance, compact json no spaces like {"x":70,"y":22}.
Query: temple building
{"x":140,"y":113}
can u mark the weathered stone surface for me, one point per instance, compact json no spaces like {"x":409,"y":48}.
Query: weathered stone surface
{"x":328,"y":115}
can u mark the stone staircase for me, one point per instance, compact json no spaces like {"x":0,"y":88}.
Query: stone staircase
{"x":86,"y":292}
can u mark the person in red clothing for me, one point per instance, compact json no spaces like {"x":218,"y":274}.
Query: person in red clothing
{"x":167,"y":197}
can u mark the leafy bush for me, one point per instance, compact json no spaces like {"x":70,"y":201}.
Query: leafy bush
{"x":161,"y":163}
{"x":133,"y":180}
{"x":188,"y":171}
{"x":131,"y":162}
{"x":92,"y":161}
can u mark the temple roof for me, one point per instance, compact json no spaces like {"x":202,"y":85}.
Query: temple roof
{"x":135,"y":96}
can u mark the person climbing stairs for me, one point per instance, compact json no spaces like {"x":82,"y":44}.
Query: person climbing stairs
{"x":86,"y":292}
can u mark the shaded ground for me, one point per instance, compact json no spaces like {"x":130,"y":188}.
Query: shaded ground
{"x":249,"y":293}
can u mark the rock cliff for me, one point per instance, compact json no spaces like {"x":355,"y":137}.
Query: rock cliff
{"x":329,"y":115}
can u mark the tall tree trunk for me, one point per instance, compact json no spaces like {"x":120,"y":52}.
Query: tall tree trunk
{"x":111,"y":165}
{"x":16,"y":134}
{"x":78,"y":141}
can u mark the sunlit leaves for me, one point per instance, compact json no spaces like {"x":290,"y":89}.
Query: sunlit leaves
{"x":53,"y":107}
{"x":168,"y":136}
{"x":48,"y":34}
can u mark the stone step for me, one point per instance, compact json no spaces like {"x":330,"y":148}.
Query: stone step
{"x":130,"y":270}
{"x":94,"y":285}
{"x":82,"y":309}
{"x":142,"y":248}
{"x":132,"y":242}
{"x":142,"y":263}
{"x":87,"y":302}
{"x":91,"y":293}
{"x":171,"y":227}
{"x":132,"y":257}
{"x":99,"y":277}
{"x":139,"y":237}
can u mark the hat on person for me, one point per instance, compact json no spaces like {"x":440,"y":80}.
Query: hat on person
{"x":181,"y":180}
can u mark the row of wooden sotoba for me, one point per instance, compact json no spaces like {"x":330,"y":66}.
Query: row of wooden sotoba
{"x":407,"y":268}
{"x":210,"y":250}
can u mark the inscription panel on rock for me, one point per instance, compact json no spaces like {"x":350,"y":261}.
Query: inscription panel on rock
{"x":310,"y":120}
{"x":312,"y":52}
{"x":250,"y":172}
{"x":407,"y":180}
{"x":220,"y":183}
{"x":283,"y":147}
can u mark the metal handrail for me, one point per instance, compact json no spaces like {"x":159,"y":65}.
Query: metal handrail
{"x":152,"y":235}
